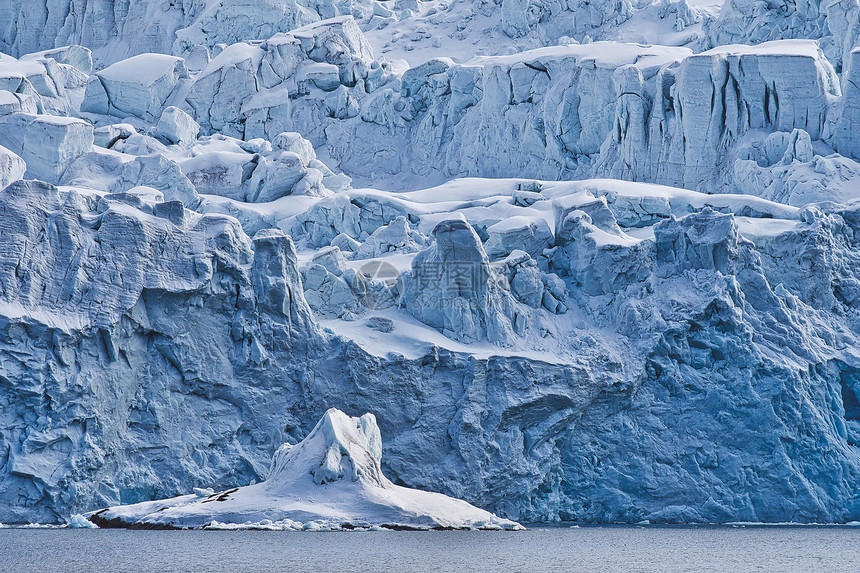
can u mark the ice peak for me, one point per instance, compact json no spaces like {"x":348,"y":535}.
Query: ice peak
{"x":339,"y":447}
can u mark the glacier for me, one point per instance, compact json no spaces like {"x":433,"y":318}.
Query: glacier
{"x":585,"y":262}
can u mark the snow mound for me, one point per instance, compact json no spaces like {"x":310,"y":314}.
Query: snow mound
{"x":330,"y":480}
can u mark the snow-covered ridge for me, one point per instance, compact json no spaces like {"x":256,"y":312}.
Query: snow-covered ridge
{"x":330,"y":480}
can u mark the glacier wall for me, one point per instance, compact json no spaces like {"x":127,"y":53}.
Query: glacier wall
{"x":93,"y":286}
{"x":715,"y":98}
{"x":198,"y":27}
{"x":190,"y":283}
{"x":113,"y":29}
{"x":519,"y":18}
{"x":833,"y":22}
{"x":568,"y":111}
{"x":703,"y":342}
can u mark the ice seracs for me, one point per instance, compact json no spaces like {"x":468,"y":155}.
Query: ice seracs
{"x":452,"y":287}
{"x":138,"y":86}
{"x":605,"y":109}
{"x":176,"y":126}
{"x":330,"y":480}
{"x":12,"y":167}
{"x":48,"y":144}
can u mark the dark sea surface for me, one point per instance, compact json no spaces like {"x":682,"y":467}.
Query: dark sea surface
{"x":594,"y":549}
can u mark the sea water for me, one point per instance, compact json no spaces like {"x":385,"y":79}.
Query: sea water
{"x":546,"y":549}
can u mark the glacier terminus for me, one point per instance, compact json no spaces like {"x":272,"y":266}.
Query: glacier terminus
{"x":322,"y":264}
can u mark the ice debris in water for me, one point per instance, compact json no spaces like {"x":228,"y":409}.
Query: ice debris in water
{"x":78,"y":521}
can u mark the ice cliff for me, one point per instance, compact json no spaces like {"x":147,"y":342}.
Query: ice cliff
{"x":833,"y":22}
{"x":584,"y":280}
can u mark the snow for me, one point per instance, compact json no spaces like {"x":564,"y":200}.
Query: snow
{"x":603,"y":54}
{"x":801,"y":48}
{"x":145,"y":69}
{"x":330,"y":480}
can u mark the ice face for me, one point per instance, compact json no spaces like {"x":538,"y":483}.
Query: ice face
{"x":452,"y":287}
{"x":338,"y":448}
{"x":176,"y":126}
{"x":572,"y":111}
{"x":697,"y":304}
{"x":116,"y":32}
{"x":12,"y":167}
{"x":47,"y":82}
{"x":138,"y":86}
{"x":834,"y":24}
{"x":575,"y":110}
